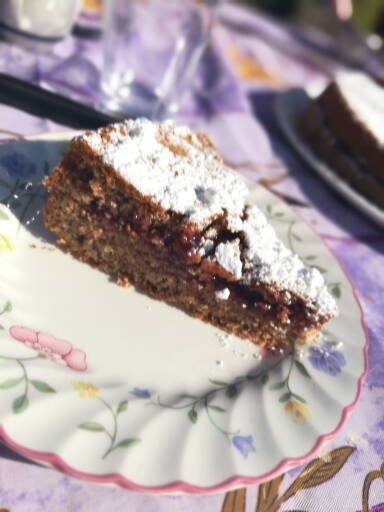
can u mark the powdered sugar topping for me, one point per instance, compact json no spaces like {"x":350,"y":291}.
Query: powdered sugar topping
{"x":223,"y":294}
{"x":266,"y":259}
{"x":175,"y":167}
{"x":227,"y":254}
{"x":365,"y":99}
{"x":182,"y":172}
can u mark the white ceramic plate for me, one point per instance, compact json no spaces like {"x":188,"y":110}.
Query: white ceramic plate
{"x":290,"y":106}
{"x":109,"y":385}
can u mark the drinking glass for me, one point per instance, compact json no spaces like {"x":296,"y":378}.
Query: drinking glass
{"x":151,"y":51}
{"x":37,"y":24}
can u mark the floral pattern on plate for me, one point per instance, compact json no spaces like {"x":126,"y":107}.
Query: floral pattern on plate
{"x":143,"y":386}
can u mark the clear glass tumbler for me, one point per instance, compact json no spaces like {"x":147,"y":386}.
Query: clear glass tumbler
{"x":151,"y":51}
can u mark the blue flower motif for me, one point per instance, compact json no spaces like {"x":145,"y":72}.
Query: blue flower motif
{"x":244,"y":444}
{"x":141,"y":393}
{"x":17,"y":164}
{"x":326,"y":359}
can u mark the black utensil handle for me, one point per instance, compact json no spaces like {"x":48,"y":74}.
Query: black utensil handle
{"x":43,"y":103}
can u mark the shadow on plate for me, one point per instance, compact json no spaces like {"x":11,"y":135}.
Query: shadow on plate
{"x":7,"y":453}
{"x":23,"y":166}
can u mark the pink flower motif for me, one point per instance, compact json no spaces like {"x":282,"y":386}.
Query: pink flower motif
{"x":76,"y":359}
{"x":59,"y":351}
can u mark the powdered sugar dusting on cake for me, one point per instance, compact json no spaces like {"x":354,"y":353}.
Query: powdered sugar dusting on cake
{"x":365,"y":99}
{"x":223,"y":294}
{"x":227,"y":254}
{"x":182,"y":172}
{"x":234,"y":222}
{"x":206,"y":246}
{"x":172,"y":166}
{"x":266,"y":259}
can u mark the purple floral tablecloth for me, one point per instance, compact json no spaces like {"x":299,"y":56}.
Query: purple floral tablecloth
{"x":249,"y":61}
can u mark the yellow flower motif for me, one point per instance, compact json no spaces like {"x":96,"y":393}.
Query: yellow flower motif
{"x":85,"y":389}
{"x":6,"y":243}
{"x":297,"y":411}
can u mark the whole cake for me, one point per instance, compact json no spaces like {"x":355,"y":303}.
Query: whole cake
{"x":154,"y":205}
{"x":345,"y":127}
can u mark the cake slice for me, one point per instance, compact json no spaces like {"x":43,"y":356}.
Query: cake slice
{"x":345,"y":127}
{"x":153,"y":205}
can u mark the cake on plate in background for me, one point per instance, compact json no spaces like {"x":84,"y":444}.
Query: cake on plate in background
{"x":345,"y":128}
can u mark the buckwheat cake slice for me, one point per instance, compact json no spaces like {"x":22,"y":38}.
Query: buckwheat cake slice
{"x":154,"y":205}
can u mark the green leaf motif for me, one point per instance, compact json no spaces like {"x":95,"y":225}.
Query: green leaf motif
{"x":299,"y":398}
{"x":285,"y":397}
{"x":1,"y":328}
{"x":126,"y":443}
{"x":11,"y":383}
{"x":269,"y":209}
{"x":311,"y":257}
{"x":302,"y":369}
{"x":20,"y":404}
{"x":42,"y":386}
{"x":216,"y":408}
{"x":264,"y":379}
{"x":218,"y":382}
{"x":92,"y":426}
{"x":231,"y":392}
{"x":277,"y":385}
{"x":322,"y":270}
{"x":296,"y":237}
{"x":7,"y":308}
{"x":123,"y":406}
{"x":192,"y":415}
{"x":3,"y":215}
{"x":189,"y":397}
{"x":335,"y":291}
{"x":279,"y":214}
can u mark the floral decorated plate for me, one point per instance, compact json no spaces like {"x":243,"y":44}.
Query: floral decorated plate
{"x":109,"y":385}
{"x":290,"y":107}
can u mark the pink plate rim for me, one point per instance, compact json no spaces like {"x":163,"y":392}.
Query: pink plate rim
{"x":181,"y":486}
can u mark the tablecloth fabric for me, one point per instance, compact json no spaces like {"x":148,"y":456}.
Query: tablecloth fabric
{"x":249,"y":60}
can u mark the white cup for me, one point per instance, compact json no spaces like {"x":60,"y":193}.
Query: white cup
{"x":37,"y":24}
